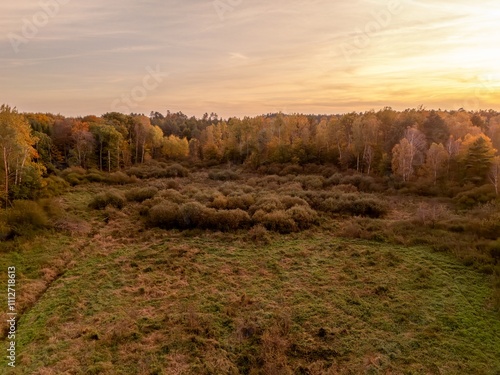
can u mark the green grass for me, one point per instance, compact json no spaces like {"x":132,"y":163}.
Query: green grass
{"x":105,"y":295}
{"x":207,"y":304}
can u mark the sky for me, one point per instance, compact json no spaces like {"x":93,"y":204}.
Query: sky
{"x":248,"y":57}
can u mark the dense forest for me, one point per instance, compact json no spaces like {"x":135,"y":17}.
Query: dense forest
{"x":432,"y":152}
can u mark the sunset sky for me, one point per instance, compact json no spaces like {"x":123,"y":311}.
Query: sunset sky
{"x":248,"y":57}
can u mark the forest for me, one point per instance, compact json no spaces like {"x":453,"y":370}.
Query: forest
{"x":364,"y":242}
{"x":435,"y":152}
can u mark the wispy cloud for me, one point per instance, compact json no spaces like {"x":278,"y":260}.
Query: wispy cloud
{"x":263,"y":55}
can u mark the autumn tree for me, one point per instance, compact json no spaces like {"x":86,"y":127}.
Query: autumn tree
{"x":435,"y":160}
{"x":434,"y":128}
{"x":84,"y":142}
{"x":154,"y":140}
{"x":494,"y":131}
{"x":494,"y":175}
{"x":478,"y":158}
{"x":16,"y":150}
{"x":108,"y":141}
{"x":174,"y":147}
{"x":63,"y":141}
{"x":408,"y":153}
{"x":141,"y":130}
{"x":364,"y":140}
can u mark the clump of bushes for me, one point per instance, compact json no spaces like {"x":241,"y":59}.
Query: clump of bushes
{"x":164,"y":215}
{"x":311,"y":182}
{"x":155,"y":169}
{"x":23,"y":218}
{"x":267,"y":204}
{"x":259,"y":233}
{"x":77,"y":175}
{"x":355,"y":205}
{"x":54,"y":186}
{"x":219,"y":202}
{"x":74,"y":175}
{"x":192,"y":215}
{"x":95,"y":177}
{"x":278,"y":221}
{"x":475,"y":196}
{"x":289,"y":201}
{"x":225,"y":175}
{"x":176,"y":170}
{"x":112,"y":197}
{"x":120,"y":178}
{"x":361,"y":182}
{"x":227,"y":220}
{"x":172,"y":195}
{"x":303,"y":216}
{"x":141,"y":194}
{"x":243,"y":201}
{"x":5,"y":231}
{"x":165,"y":183}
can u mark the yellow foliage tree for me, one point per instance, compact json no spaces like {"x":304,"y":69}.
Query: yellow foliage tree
{"x":174,"y":147}
{"x":16,"y":148}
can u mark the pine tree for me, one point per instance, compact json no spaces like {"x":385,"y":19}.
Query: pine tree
{"x":478,"y":161}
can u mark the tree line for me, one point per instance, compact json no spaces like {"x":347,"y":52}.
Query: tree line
{"x":433,"y":147}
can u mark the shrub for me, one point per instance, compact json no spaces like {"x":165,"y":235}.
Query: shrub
{"x":267,"y":204}
{"x":51,"y":207}
{"x":74,"y":178}
{"x":137,"y":172}
{"x":54,"y":186}
{"x":141,"y":194}
{"x":494,"y":248}
{"x":303,"y":216}
{"x":172,"y":195}
{"x":153,"y":169}
{"x":164,"y":215}
{"x":219,"y":202}
{"x":226,"y":175}
{"x":292,"y":169}
{"x":345,"y":188}
{"x":165,"y":183}
{"x":486,"y":228}
{"x":120,"y":178}
{"x":311,"y":182}
{"x":243,"y":202}
{"x":95,"y":177}
{"x":362,"y":182}
{"x":290,"y":188}
{"x":74,"y":170}
{"x":226,"y":220}
{"x":259,"y":233}
{"x":354,"y":205}
{"x":290,"y":202}
{"x":193,"y":215}
{"x":351,"y":229}
{"x":176,"y":170}
{"x":26,"y":216}
{"x":278,"y":221}
{"x":475,"y":196}
{"x":112,"y":197}
{"x":335,"y":179}
{"x":5,"y":231}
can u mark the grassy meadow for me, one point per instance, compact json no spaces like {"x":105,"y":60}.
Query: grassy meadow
{"x":217,"y":271}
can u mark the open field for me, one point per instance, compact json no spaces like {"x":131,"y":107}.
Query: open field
{"x":106,"y":291}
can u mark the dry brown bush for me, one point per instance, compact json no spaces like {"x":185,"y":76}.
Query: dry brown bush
{"x":278,"y":221}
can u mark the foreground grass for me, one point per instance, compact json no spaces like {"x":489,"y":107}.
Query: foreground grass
{"x":102,"y":294}
{"x":217,"y":304}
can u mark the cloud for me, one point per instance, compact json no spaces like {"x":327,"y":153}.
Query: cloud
{"x":285,"y":53}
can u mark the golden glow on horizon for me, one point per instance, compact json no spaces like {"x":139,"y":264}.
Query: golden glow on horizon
{"x":261,"y":57}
